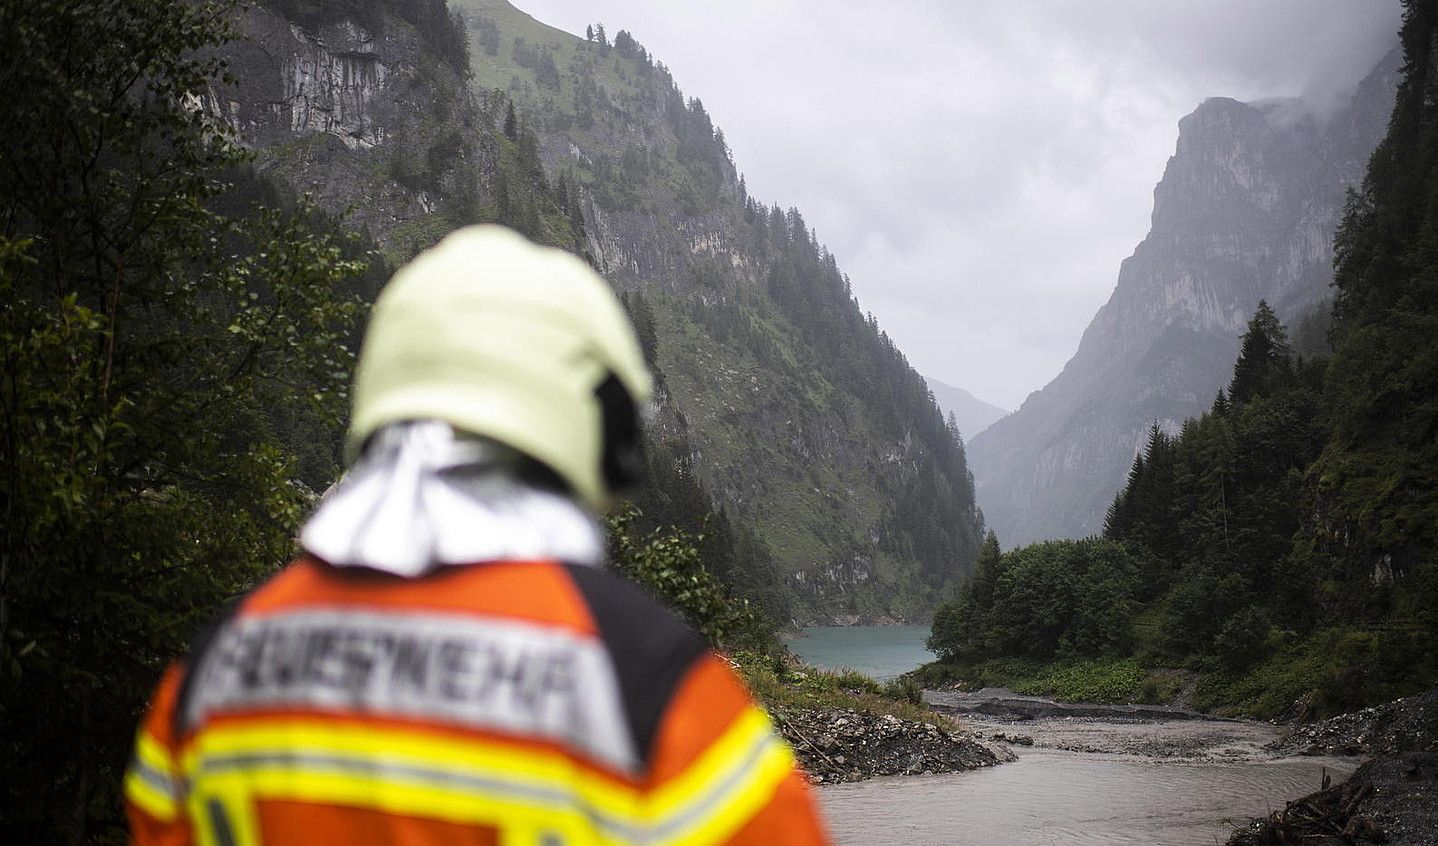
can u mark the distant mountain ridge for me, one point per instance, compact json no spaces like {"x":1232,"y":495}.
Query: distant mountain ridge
{"x":1245,"y":211}
{"x":972,"y":414}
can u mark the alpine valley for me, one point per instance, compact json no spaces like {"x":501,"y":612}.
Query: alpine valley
{"x":830,"y":479}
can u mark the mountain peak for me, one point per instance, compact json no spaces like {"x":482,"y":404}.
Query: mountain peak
{"x":1245,"y":211}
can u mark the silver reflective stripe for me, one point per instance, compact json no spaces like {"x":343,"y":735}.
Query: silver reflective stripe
{"x":413,"y":774}
{"x":716,"y":797}
{"x":220,"y":827}
{"x":154,"y":778}
{"x":519,"y":678}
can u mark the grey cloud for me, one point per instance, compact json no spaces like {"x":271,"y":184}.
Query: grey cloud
{"x":980,"y":169}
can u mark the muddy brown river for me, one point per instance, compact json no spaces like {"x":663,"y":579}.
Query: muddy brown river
{"x":1087,"y":781}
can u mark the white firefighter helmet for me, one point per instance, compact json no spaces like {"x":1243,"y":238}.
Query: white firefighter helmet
{"x":520,"y":343}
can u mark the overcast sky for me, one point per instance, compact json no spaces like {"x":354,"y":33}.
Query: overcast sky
{"x":980,"y":168}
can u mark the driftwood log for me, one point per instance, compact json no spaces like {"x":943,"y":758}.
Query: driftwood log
{"x":1329,"y":816}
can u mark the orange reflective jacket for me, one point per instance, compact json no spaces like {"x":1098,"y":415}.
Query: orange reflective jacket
{"x":509,"y":703}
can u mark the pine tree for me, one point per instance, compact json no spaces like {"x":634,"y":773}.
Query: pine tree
{"x":1264,"y":358}
{"x":1380,"y":469}
{"x":511,"y":123}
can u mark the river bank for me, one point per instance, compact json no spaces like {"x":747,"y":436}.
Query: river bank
{"x":1111,"y":779}
{"x":845,"y":727}
{"x":1007,"y":704}
{"x":1392,"y":798}
{"x":892,"y":770}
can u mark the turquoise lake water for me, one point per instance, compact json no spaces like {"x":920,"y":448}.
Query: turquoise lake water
{"x":881,"y":652}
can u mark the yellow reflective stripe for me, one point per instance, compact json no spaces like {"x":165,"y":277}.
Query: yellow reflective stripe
{"x":465,"y":806}
{"x":470,"y":782}
{"x":725,"y":787}
{"x":729,"y":812}
{"x":224,"y":817}
{"x":152,"y":801}
{"x":529,"y":770}
{"x":151,"y":781}
{"x":749,"y":728}
{"x":153,"y":754}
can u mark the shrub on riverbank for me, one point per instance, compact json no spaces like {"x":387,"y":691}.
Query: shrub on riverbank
{"x":1333,"y":671}
{"x":780,"y":683}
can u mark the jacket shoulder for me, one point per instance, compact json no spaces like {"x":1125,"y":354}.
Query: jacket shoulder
{"x":651,"y":648}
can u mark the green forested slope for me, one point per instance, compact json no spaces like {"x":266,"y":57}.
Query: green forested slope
{"x":178,"y":327}
{"x":806,"y":423}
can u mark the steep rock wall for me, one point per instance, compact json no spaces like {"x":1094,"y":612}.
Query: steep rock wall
{"x":1245,"y":211}
{"x":349,"y":115}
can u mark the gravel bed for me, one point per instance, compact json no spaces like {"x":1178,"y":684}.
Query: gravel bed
{"x":841,"y":745}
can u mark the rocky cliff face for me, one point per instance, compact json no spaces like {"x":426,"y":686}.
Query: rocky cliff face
{"x":1245,"y":211}
{"x":365,"y":119}
{"x":797,"y":414}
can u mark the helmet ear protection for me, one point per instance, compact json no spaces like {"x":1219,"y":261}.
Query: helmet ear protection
{"x":622,"y":454}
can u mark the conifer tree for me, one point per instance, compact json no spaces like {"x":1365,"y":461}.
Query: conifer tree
{"x":1264,"y":357}
{"x":511,"y":123}
{"x":1380,"y":470}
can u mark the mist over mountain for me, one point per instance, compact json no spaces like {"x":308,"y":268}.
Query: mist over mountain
{"x":836,"y":490}
{"x":971,"y":413}
{"x":804,"y":421}
{"x":1245,"y":211}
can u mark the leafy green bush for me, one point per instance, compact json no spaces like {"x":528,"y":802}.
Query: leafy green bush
{"x":904,"y":689}
{"x":667,"y":563}
{"x":1094,"y":680}
{"x":1088,"y":681}
{"x":780,"y":683}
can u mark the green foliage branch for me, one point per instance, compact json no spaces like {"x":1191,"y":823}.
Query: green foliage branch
{"x":160,"y":359}
{"x":669,"y":564}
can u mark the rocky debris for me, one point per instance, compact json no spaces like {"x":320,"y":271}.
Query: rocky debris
{"x":1393,"y":799}
{"x":1234,"y":741}
{"x":1405,"y":725}
{"x":841,"y":744}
